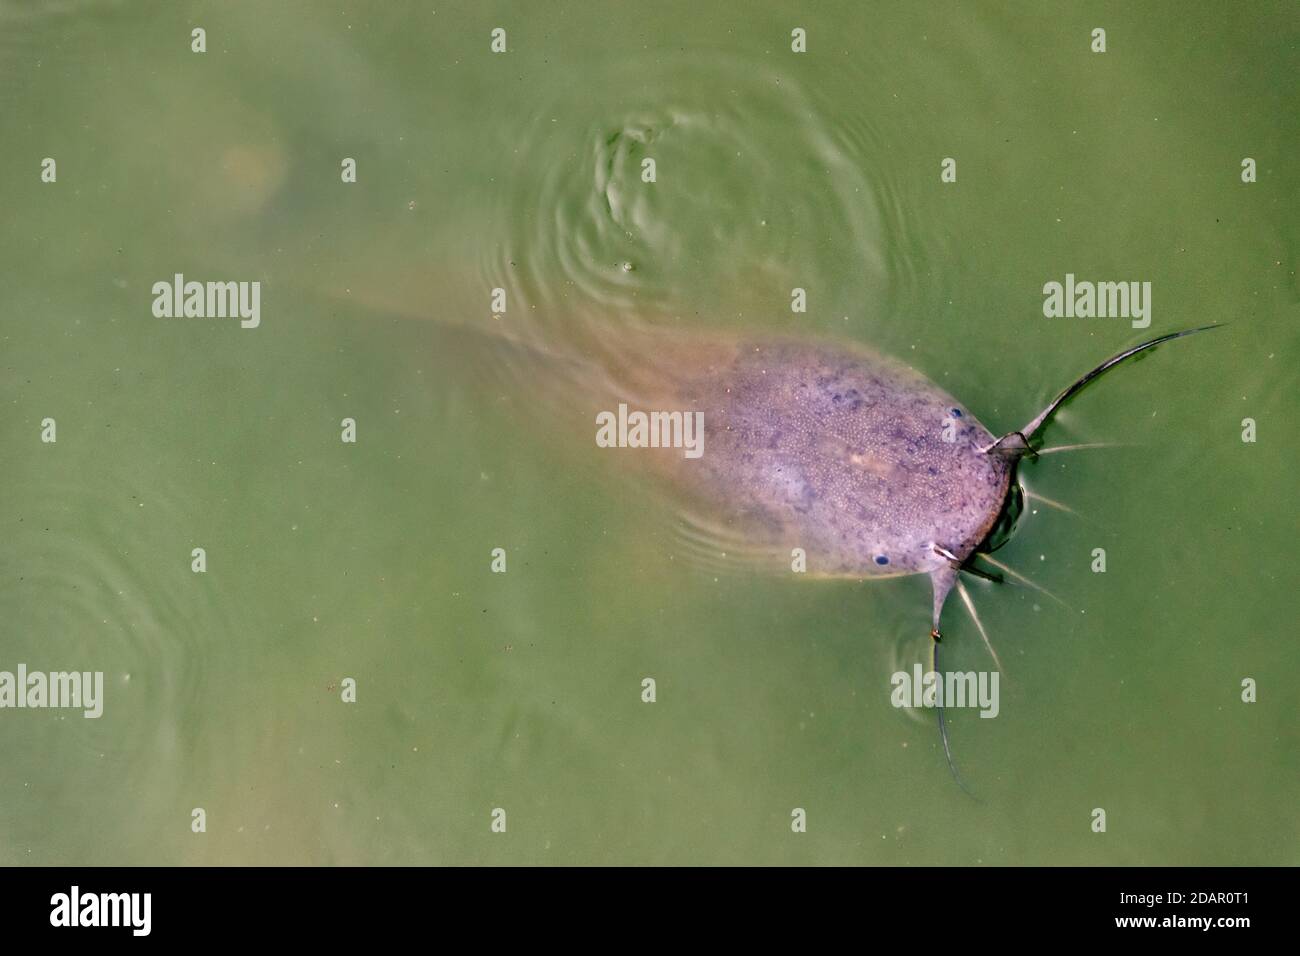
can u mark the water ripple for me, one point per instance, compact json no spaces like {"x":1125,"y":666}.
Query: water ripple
{"x":588,"y":242}
{"x":95,"y":586}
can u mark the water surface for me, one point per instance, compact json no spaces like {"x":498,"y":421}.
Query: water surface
{"x":522,"y":171}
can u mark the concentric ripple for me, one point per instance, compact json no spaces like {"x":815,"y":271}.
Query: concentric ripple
{"x":710,"y":188}
{"x":93,"y":584}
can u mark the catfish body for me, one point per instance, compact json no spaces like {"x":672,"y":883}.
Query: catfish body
{"x":862,"y":462}
{"x":859,"y":460}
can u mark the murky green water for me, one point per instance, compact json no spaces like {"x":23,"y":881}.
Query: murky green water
{"x":522,"y":171}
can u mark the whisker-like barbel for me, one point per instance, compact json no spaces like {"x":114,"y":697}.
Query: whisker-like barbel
{"x":974,"y":615}
{"x":1050,"y":502}
{"x":1016,"y":444}
{"x":1093,"y":444}
{"x":1023,"y":579}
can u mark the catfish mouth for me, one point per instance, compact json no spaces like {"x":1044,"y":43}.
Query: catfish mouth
{"x":1004,"y":525}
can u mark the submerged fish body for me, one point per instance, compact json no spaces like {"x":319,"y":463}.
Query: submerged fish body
{"x":862,"y":462}
{"x":858,"y":460}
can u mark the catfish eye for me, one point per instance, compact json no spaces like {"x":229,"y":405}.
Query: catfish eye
{"x":956,"y":412}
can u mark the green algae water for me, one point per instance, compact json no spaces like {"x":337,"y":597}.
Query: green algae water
{"x":306,"y":653}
